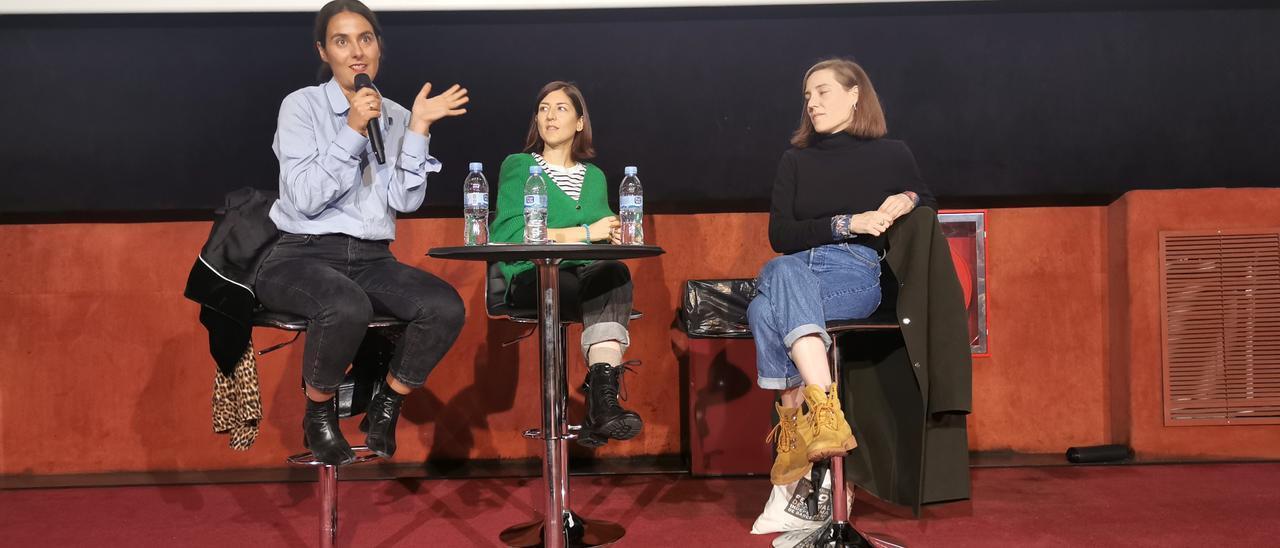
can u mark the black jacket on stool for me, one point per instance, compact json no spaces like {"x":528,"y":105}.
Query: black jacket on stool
{"x":223,"y":276}
{"x":222,"y":281}
{"x":907,"y":395}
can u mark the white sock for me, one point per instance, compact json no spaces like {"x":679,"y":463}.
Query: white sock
{"x":604,"y":353}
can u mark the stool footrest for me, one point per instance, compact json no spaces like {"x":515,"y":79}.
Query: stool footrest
{"x":363,"y":454}
{"x":536,"y":434}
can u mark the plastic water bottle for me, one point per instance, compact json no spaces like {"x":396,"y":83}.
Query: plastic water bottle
{"x":631,"y":207}
{"x":535,"y":207}
{"x":475,"y":206}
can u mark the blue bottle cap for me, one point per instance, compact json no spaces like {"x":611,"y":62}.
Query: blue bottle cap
{"x":535,"y":170}
{"x":629,"y":170}
{"x":475,"y":166}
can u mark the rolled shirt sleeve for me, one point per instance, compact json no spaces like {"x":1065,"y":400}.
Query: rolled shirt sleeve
{"x":408,"y":187}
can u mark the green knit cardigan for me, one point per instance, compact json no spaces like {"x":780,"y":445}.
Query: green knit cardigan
{"x":562,"y":211}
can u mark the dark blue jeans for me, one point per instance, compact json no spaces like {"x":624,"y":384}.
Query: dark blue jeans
{"x":337,"y":282}
{"x":798,"y":293}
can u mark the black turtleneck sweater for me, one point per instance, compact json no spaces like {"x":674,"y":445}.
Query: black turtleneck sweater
{"x":838,"y":175}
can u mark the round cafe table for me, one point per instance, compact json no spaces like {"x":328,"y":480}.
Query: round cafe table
{"x":558,"y":526}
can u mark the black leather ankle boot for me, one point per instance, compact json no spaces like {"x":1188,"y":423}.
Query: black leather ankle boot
{"x":606,"y":418}
{"x":380,"y":420}
{"x":321,"y":433}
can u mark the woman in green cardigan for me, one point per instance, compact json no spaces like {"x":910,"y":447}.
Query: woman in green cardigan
{"x":598,"y":292}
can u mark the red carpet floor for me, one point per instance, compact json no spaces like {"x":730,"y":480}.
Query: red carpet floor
{"x":1167,"y":506}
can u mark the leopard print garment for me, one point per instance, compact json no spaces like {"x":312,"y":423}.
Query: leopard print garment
{"x":237,"y":405}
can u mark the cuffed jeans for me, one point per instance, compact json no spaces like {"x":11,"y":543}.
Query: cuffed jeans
{"x":599,"y":293}
{"x":798,"y":293}
{"x":338,"y":282}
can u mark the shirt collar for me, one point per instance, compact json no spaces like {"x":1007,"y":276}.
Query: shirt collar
{"x":340,"y":105}
{"x":337,"y":101}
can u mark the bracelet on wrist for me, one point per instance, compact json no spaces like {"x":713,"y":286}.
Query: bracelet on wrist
{"x":587,"y":229}
{"x":840,"y":227}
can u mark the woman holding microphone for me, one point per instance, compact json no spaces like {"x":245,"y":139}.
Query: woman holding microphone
{"x":337,"y":211}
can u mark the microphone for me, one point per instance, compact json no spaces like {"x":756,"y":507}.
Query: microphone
{"x":375,"y":129}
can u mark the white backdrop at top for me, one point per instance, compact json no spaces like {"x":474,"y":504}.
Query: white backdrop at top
{"x":203,"y":6}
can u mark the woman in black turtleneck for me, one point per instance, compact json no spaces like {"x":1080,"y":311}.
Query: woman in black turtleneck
{"x":837,"y":191}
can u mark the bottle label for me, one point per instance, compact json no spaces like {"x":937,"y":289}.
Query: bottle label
{"x":533,"y":201}
{"x":631,"y":202}
{"x":476,"y":200}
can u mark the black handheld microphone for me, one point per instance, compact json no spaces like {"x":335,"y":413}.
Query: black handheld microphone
{"x":375,"y":129}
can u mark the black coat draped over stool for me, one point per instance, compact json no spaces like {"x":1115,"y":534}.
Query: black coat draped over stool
{"x":907,"y":394}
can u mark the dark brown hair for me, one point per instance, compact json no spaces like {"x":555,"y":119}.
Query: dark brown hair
{"x":582,"y":146}
{"x":322,"y":26}
{"x":868,"y":118}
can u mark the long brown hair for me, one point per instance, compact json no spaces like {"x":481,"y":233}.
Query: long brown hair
{"x":868,"y":118}
{"x":582,"y":147}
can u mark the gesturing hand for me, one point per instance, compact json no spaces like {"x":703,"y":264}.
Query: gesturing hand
{"x":897,"y":205}
{"x":871,"y":222}
{"x":428,"y":110}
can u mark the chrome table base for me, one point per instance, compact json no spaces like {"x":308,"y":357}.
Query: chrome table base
{"x":558,"y":527}
{"x":579,"y":533}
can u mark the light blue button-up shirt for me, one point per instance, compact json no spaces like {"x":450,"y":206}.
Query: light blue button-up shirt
{"x":324,"y":189}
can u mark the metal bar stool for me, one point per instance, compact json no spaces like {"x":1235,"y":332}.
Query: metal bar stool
{"x":840,"y":533}
{"x":349,"y":404}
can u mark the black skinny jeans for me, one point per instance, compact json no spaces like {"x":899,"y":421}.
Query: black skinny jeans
{"x":599,"y":294}
{"x":337,"y":282}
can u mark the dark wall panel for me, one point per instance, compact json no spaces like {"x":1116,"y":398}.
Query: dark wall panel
{"x":1000,"y":102}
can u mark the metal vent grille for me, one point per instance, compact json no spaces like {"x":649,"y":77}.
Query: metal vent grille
{"x":1220,"y":315}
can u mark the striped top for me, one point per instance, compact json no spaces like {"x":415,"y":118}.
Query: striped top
{"x":568,"y":179}
{"x":562,"y":211}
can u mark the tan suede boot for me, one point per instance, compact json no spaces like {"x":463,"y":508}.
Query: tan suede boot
{"x":831,"y":435}
{"x":791,"y":437}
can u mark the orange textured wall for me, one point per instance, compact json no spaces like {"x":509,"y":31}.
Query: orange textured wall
{"x":105,"y":367}
{"x":1041,"y":390}
{"x":1145,"y":214}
